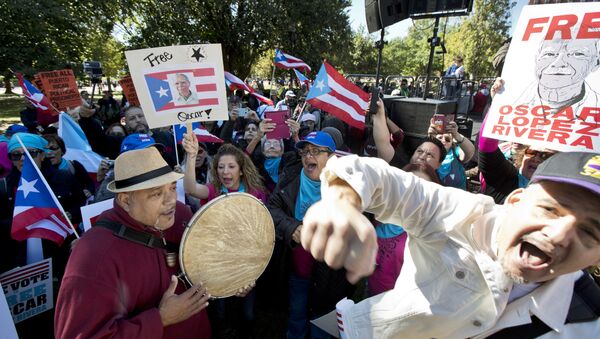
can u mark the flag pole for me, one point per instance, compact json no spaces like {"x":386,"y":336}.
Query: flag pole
{"x":49,"y":189}
{"x":175,"y":140}
{"x":272,"y":79}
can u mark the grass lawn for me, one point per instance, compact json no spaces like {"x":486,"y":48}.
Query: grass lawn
{"x":10,"y":106}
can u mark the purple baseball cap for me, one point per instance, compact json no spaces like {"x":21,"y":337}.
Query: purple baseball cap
{"x":575,"y":168}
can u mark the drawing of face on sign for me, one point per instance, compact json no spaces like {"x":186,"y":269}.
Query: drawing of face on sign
{"x":562,"y":66}
{"x":182,"y":84}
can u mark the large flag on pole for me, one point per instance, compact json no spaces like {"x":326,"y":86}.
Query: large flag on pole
{"x":42,"y":104}
{"x":234,"y":83}
{"x":334,"y":94}
{"x":37,"y":213}
{"x":202,"y":134}
{"x":287,"y":61}
{"x":302,"y":79}
{"x":78,"y":147}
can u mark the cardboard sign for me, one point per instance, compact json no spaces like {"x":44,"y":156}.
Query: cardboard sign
{"x":28,"y":290}
{"x":551,"y":97}
{"x":129,"y":90}
{"x":60,"y":87}
{"x":179,"y":84}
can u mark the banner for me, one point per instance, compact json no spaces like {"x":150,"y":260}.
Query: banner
{"x":60,"y":87}
{"x":28,"y":290}
{"x":179,"y":84}
{"x":129,"y":90}
{"x":551,"y":96}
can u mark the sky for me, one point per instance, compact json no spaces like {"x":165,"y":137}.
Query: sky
{"x":400,"y":29}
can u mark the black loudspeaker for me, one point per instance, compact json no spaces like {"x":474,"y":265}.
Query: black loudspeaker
{"x":383,"y":13}
{"x":420,"y":9}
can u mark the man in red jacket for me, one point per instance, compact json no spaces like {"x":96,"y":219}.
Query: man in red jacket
{"x":120,"y":280}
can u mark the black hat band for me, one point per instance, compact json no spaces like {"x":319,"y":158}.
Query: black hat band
{"x":142,"y":177}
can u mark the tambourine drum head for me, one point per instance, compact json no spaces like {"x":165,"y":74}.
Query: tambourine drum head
{"x":227,"y":244}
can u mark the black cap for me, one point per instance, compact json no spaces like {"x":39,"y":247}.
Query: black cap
{"x":575,"y":168}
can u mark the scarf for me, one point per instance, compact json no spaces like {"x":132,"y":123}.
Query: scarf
{"x":309,"y":193}
{"x":272,"y":167}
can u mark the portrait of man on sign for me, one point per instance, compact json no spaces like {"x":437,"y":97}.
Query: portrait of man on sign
{"x":561,"y":69}
{"x":185,"y":95}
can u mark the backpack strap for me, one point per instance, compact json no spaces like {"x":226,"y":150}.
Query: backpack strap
{"x":585,"y":306}
{"x":138,"y":237}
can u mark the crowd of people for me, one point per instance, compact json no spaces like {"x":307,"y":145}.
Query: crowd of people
{"x":118,"y":279}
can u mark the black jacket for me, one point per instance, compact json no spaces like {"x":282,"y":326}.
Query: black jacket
{"x":501,"y":176}
{"x":328,"y":286}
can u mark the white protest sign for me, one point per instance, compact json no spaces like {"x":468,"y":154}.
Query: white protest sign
{"x":552,"y":93}
{"x":6,"y":322}
{"x":177,"y":84}
{"x":28,"y":290}
{"x":91,"y":212}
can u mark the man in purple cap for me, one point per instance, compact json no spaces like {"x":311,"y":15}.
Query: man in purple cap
{"x":472,"y":268}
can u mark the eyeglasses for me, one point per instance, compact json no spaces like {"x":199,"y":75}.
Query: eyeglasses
{"x":53,"y":148}
{"x":14,"y":156}
{"x":533,"y":153}
{"x":313,"y":152}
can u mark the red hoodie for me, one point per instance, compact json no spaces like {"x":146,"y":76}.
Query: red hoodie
{"x":112,"y":287}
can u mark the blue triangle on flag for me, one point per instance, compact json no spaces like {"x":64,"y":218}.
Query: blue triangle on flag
{"x":320,"y":85}
{"x":160,"y":91}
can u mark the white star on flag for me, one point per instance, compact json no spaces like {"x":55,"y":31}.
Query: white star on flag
{"x":320,"y":85}
{"x":162,"y":92}
{"x":28,"y":187}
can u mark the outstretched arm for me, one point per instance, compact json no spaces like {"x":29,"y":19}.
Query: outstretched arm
{"x":190,"y":144}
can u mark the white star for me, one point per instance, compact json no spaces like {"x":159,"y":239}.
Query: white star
{"x":320,"y":85}
{"x":279,"y":55}
{"x":162,"y":92}
{"x":28,"y":187}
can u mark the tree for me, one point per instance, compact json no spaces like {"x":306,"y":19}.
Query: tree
{"x":45,"y":34}
{"x":480,"y":35}
{"x":246,"y":29}
{"x":109,"y":52}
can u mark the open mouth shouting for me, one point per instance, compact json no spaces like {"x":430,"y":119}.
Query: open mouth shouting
{"x":532,"y":258}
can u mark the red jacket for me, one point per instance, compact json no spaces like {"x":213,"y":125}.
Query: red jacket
{"x":112,"y":287}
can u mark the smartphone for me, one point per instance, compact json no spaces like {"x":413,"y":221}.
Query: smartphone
{"x":439,"y":121}
{"x":282,"y":130}
{"x":243,"y":111}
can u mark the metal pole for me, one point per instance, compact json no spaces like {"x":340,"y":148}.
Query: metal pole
{"x":433,"y":44}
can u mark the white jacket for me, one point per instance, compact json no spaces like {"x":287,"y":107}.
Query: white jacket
{"x":451,"y":285}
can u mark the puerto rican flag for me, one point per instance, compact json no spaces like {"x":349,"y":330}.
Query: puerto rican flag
{"x":287,"y":61}
{"x":201,"y":133}
{"x":46,"y":112}
{"x":78,"y":147}
{"x":334,"y":94}
{"x":302,"y":79}
{"x":203,"y":84}
{"x":37,"y":212}
{"x":234,"y":83}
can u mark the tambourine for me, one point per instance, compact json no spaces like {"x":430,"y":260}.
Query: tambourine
{"x":227,"y":244}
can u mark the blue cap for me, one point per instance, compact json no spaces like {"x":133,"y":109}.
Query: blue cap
{"x":137,"y":141}
{"x":320,"y":139}
{"x":16,"y":128}
{"x":29,"y":140}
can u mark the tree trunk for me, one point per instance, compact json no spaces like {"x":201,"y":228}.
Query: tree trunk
{"x":8,"y":84}
{"x":109,"y":83}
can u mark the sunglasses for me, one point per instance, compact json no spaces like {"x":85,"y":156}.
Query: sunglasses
{"x":14,"y":156}
{"x":533,"y":153}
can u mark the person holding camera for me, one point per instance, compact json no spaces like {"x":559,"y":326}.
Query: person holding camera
{"x":289,"y":102}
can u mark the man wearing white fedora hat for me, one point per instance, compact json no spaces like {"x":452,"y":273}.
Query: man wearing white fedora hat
{"x":120,"y":279}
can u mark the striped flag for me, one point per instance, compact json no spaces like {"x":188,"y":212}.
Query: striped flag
{"x":37,"y":213}
{"x":46,"y":112}
{"x":287,"y":61}
{"x":302,"y":79}
{"x":201,"y":133}
{"x":334,"y":94}
{"x":234,"y":83}
{"x":78,"y":147}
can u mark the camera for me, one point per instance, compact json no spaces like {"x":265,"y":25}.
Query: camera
{"x":94,"y":70}
{"x":111,"y":164}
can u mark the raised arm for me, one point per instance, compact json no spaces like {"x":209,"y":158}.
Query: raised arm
{"x":190,"y":144}
{"x":381,"y":134}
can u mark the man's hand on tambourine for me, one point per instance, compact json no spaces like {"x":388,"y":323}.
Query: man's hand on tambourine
{"x":242,"y":292}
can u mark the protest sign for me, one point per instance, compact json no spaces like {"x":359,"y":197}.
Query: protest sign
{"x":6,"y":322}
{"x":60,"y":87}
{"x":91,"y":212}
{"x":129,"y":90}
{"x":551,"y":97}
{"x":179,"y":84}
{"x":28,"y":290}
